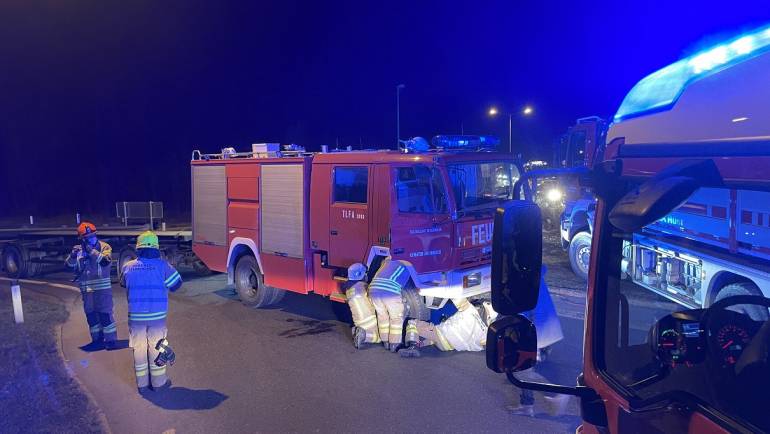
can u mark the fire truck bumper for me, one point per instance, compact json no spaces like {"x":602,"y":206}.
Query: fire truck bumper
{"x":459,"y":283}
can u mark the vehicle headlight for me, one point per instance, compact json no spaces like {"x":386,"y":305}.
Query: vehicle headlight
{"x":554,"y":195}
{"x":471,"y":280}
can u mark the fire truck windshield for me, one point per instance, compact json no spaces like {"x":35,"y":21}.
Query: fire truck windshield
{"x":665,"y":333}
{"x":483,"y":184}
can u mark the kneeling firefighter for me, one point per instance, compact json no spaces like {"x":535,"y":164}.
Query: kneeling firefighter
{"x":91,"y":260}
{"x":147,"y":279}
{"x":463,"y":331}
{"x":385,"y":291}
{"x":361,"y":307}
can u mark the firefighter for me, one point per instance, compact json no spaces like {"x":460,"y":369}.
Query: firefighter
{"x":385,"y":291}
{"x":463,"y":331}
{"x":91,"y":261}
{"x":147,"y":280}
{"x":361,"y":307}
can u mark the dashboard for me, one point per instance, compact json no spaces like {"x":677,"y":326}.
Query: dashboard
{"x":683,"y":339}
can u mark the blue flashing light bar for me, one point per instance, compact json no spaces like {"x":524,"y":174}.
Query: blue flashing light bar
{"x":465,"y":142}
{"x":660,"y":90}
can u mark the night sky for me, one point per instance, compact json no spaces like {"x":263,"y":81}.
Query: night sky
{"x":104,"y":101}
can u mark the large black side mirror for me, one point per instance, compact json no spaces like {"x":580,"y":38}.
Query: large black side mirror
{"x":650,"y":202}
{"x":517,"y":257}
{"x":511,"y":344}
{"x":662,"y":193}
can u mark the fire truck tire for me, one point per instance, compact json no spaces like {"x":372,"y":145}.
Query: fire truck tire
{"x":14,"y":262}
{"x":757,"y":313}
{"x":126,"y":254}
{"x":250,"y":284}
{"x":415,"y":307}
{"x":342,"y":312}
{"x":580,"y":254}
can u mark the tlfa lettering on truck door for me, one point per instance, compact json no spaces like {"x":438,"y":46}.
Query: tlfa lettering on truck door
{"x":481,"y":234}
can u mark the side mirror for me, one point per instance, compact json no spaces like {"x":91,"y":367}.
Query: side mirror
{"x":651,"y":201}
{"x":511,"y":344}
{"x":664,"y":192}
{"x":517,"y":257}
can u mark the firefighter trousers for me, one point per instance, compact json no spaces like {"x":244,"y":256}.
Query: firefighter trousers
{"x":363,"y":312}
{"x":97,"y":306}
{"x":429,"y":334}
{"x":143,"y":336}
{"x":390,"y":315}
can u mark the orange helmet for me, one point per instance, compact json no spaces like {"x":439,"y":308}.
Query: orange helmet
{"x":85,"y":229}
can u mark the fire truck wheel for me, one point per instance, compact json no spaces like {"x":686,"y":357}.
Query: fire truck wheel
{"x":14,"y":264}
{"x":415,"y":305}
{"x":342,"y":312}
{"x":580,"y":254}
{"x":251,"y":285}
{"x":126,"y":254}
{"x":757,"y":313}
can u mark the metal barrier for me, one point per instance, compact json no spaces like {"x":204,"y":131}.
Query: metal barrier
{"x":145,"y":211}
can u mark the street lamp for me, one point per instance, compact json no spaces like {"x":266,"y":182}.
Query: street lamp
{"x":526,"y":111}
{"x":398,"y":114}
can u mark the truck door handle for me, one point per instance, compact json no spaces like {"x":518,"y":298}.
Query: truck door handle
{"x":333,"y":232}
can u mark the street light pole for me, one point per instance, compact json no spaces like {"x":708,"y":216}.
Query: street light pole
{"x":526,"y":112}
{"x":510,"y":131}
{"x":398,"y":114}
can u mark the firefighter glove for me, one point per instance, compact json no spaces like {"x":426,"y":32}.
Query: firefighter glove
{"x":166,"y":354}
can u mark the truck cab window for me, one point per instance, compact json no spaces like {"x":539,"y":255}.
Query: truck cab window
{"x":668,"y":325}
{"x":482,"y":185}
{"x":350,"y":184}
{"x":419,"y":189}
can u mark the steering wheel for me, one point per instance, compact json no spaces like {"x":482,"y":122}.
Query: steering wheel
{"x":747,"y":377}
{"x":735,"y":345}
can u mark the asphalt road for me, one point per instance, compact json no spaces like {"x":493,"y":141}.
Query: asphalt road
{"x":292,"y":368}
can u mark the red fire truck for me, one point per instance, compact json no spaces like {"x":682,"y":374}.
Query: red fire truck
{"x":278,"y":221}
{"x":654,"y":361}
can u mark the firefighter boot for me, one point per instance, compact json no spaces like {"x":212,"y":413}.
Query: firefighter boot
{"x":359,"y":337}
{"x":412,"y":339}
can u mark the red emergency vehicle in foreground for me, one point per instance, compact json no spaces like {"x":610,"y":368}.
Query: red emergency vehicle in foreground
{"x":278,"y":220}
{"x":651,"y":362}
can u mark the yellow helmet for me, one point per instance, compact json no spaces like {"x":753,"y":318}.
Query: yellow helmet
{"x":147,"y":239}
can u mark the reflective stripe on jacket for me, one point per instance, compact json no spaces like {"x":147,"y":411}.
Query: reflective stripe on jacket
{"x":94,"y":269}
{"x":392,"y":277}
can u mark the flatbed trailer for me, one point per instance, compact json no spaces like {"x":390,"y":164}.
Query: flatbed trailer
{"x":31,"y":251}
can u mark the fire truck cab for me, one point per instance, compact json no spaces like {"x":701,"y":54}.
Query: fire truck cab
{"x":653,"y":362}
{"x":280,"y":221}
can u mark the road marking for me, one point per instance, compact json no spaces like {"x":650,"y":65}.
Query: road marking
{"x":41,"y":282}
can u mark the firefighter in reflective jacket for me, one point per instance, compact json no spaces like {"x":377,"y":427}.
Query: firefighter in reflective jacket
{"x":91,"y":261}
{"x":361,"y":307}
{"x":463,"y":331}
{"x":147,"y":280}
{"x":385,"y":291}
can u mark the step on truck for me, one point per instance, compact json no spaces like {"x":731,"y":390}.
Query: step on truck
{"x":682,"y":193}
{"x":279,"y":219}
